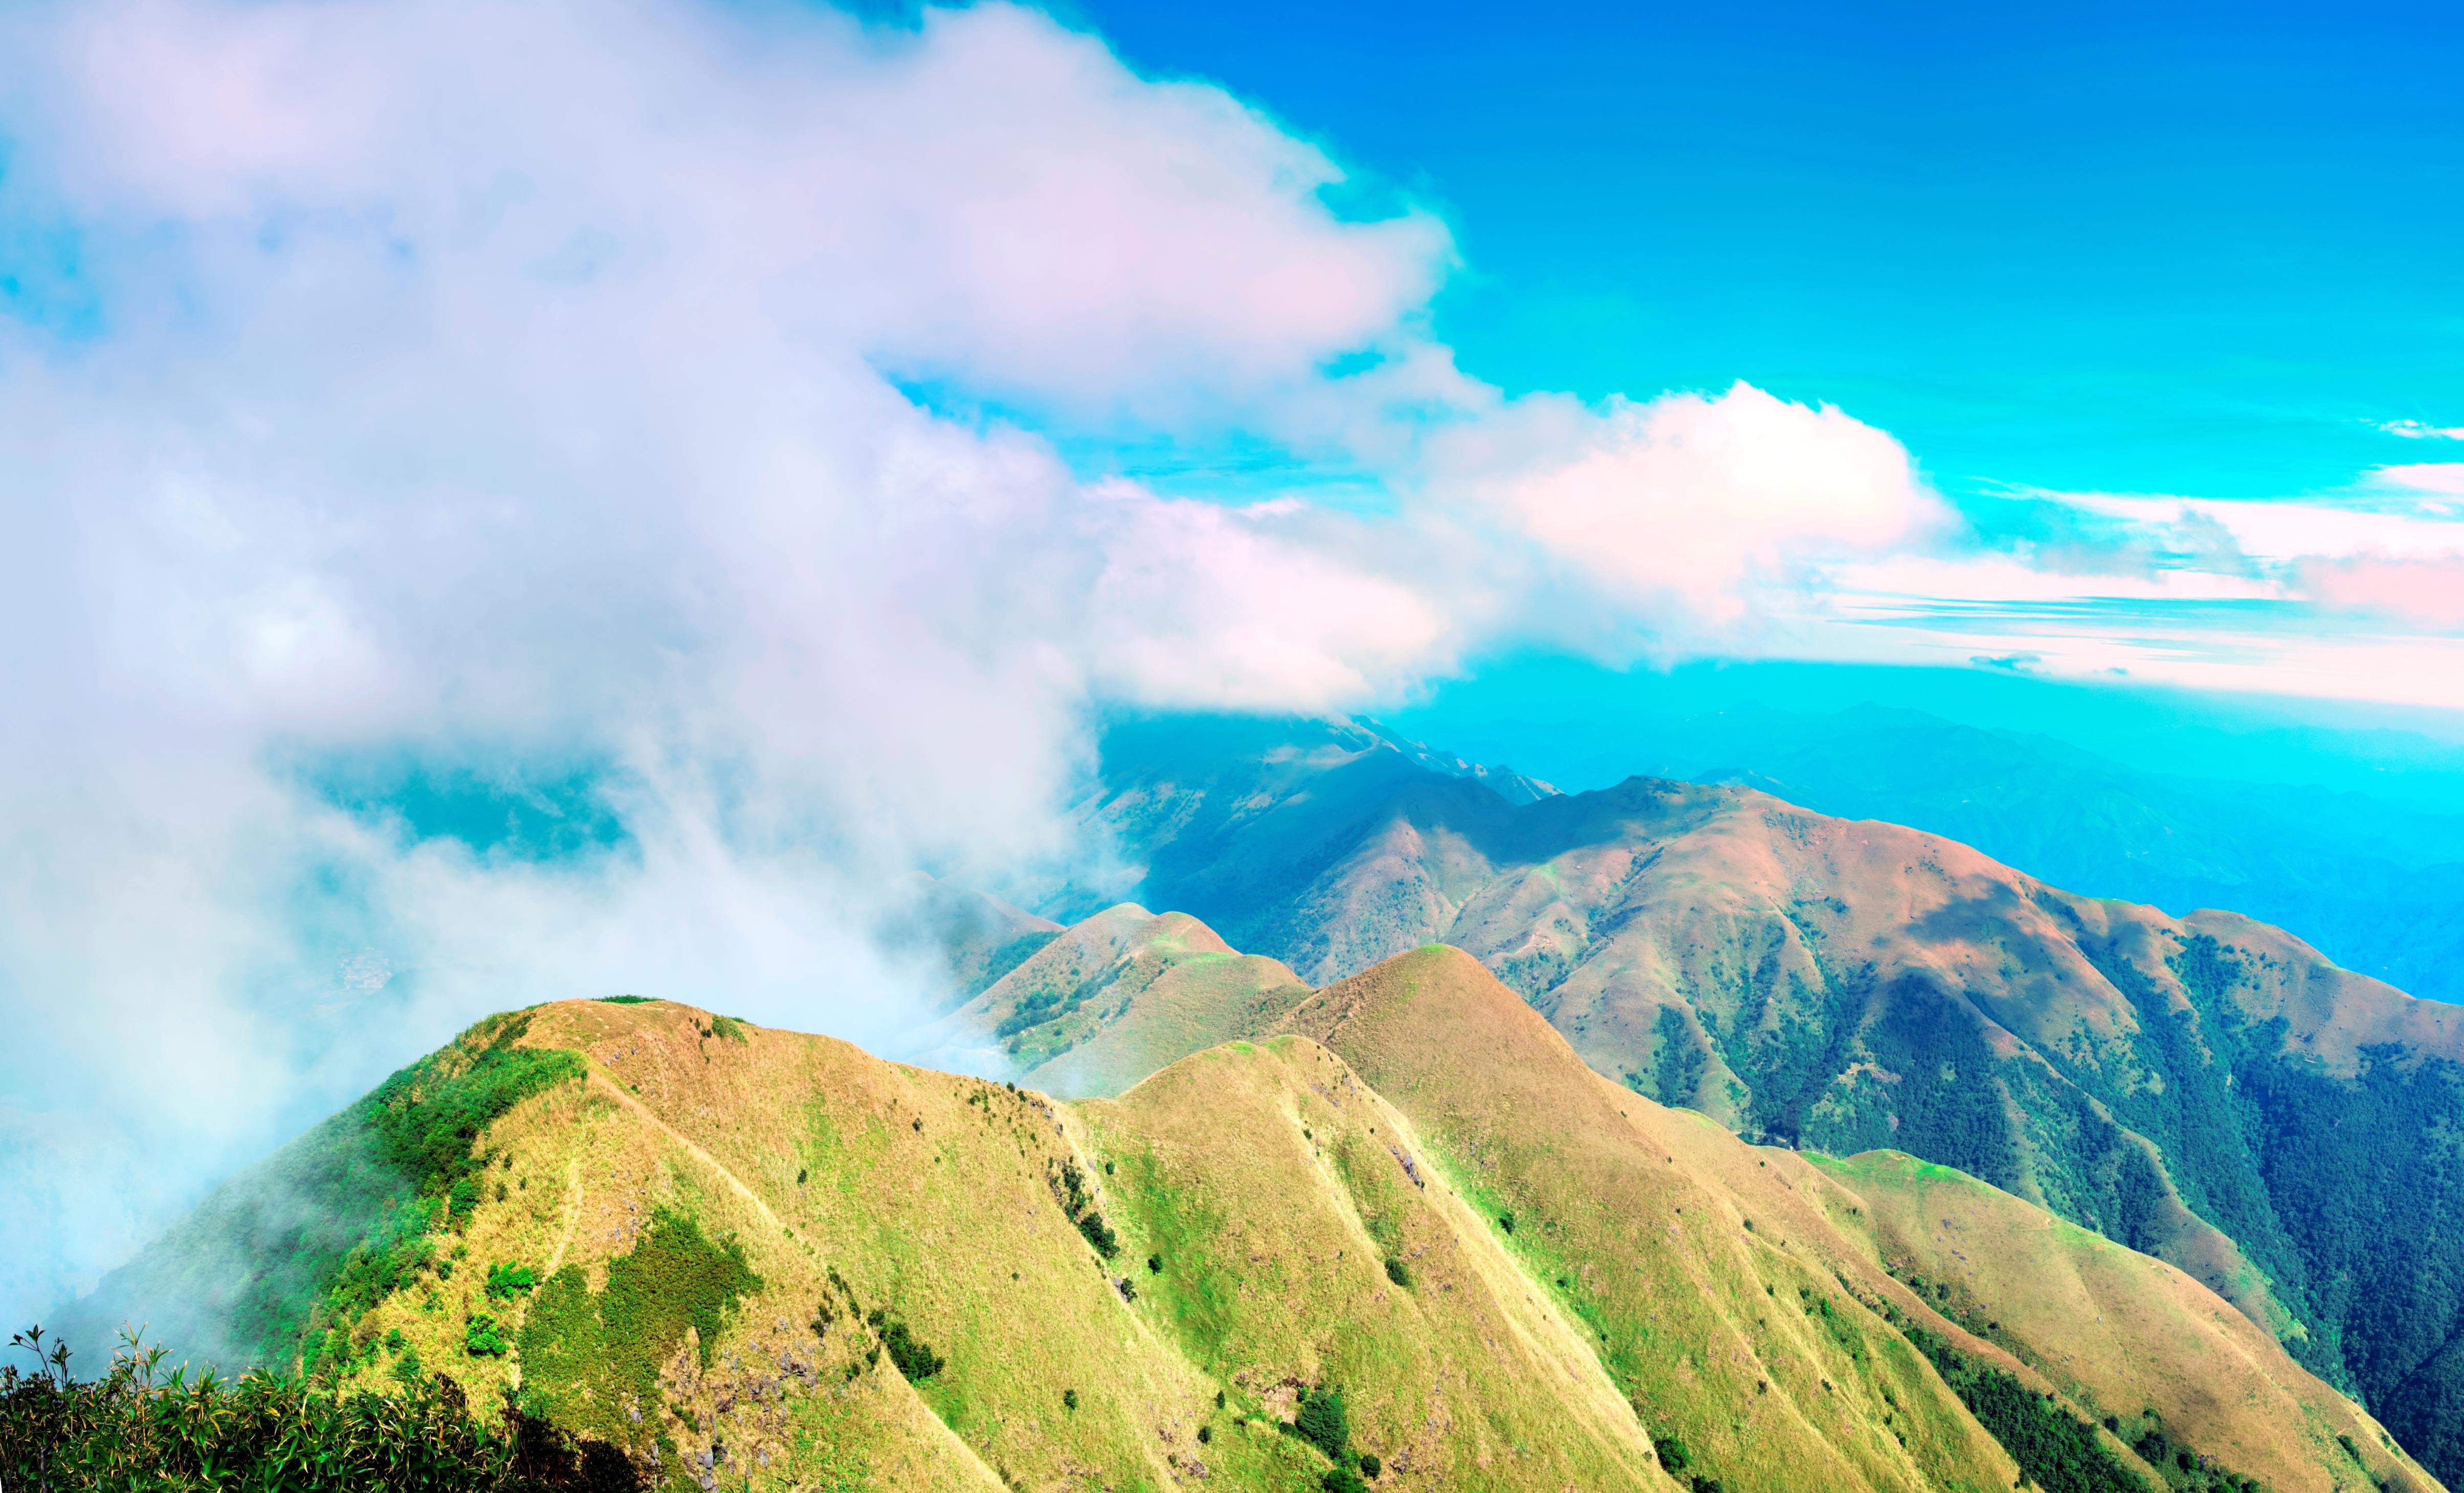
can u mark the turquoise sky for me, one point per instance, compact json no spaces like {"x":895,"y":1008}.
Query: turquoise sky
{"x":2203,"y":250}
{"x":2200,"y":252}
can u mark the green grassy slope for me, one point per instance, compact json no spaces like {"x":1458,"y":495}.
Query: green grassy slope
{"x":749,"y":1258}
{"x":1117,"y":996}
{"x":1697,"y":1317}
{"x":2118,"y":1332}
{"x":1663,"y":1228}
{"x":2206,"y":1089}
{"x":1284,"y":1244}
{"x":260,"y":1272}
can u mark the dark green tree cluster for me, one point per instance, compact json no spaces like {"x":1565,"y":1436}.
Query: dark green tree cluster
{"x":2055,"y":1449}
{"x":915,"y":1359}
{"x":2181,"y":1465}
{"x":2367,"y":1177}
{"x":480,"y":1338}
{"x":1677,"y":1459}
{"x":1069,"y":1186}
{"x":1676,"y":1059}
{"x":1323,"y":1422}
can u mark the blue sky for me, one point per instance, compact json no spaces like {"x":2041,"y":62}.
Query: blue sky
{"x":2134,"y":254}
{"x":2198,"y":250}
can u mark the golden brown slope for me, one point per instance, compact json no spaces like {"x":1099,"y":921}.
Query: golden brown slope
{"x":1116,"y":996}
{"x":2195,"y":1088}
{"x":2118,"y":1332}
{"x":1663,"y":1226}
{"x":763,"y":1255}
{"x":1293,"y":1244}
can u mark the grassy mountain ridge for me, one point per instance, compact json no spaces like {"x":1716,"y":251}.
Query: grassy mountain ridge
{"x":1473,"y":1069}
{"x":1415,"y":1227}
{"x":261,"y":1267}
{"x":2183,"y":1086}
{"x":1111,"y":998}
{"x":2371,"y":878}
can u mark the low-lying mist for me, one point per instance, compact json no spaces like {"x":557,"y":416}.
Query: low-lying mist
{"x":465,"y":550}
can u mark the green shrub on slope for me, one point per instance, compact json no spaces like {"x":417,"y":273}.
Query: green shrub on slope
{"x":914,"y":1358}
{"x":589,"y":1358}
{"x":278,"y":1258}
{"x":2055,"y":1449}
{"x":1069,"y":1186}
{"x":1323,"y":1422}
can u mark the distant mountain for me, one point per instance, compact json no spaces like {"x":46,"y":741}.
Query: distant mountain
{"x":2376,"y":882}
{"x":1413,"y":1242}
{"x":978,"y":938}
{"x":2208,"y":1089}
{"x":1114,"y":997}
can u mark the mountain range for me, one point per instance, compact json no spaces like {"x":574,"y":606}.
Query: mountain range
{"x":2207,"y":1088}
{"x":1409,"y":1240}
{"x":1665,"y":1134}
{"x":2362,"y":864}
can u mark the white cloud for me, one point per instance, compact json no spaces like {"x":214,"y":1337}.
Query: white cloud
{"x":1691,"y":508}
{"x":499,"y":384}
{"x":2425,"y":589}
{"x":2432,"y":478}
{"x":2421,"y":430}
{"x":1206,"y":606}
{"x":2003,"y":577}
{"x":992,"y":196}
{"x":2282,"y":532}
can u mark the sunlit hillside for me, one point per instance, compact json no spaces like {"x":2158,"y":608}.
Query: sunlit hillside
{"x":2208,"y":1088}
{"x":1411,"y":1241}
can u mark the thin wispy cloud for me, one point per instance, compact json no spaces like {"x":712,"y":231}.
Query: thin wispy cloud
{"x":2429,"y":478}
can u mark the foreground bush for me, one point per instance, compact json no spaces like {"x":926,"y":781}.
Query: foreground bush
{"x":139,"y":1427}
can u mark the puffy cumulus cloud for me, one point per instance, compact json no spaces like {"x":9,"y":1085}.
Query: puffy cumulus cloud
{"x":1264,"y":616}
{"x":989,"y":196}
{"x":505,"y":386}
{"x":1695,"y":509}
